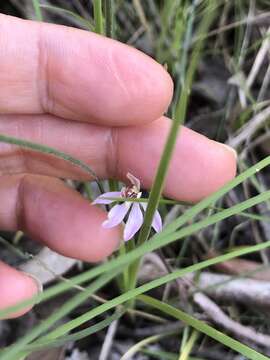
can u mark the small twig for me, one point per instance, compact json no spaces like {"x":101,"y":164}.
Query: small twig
{"x":140,"y":12}
{"x":254,"y":20}
{"x":247,"y":291}
{"x":136,"y":35}
{"x":264,"y":49}
{"x":172,"y":214}
{"x":108,"y":342}
{"x":257,"y":142}
{"x":219,"y":317}
{"x":158,"y":329}
{"x":250,"y":128}
{"x":251,"y":292}
{"x":265,"y":85}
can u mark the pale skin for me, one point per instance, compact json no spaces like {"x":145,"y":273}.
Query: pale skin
{"x":102,"y":102}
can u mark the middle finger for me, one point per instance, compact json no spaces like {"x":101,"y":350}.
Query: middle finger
{"x":112,"y":152}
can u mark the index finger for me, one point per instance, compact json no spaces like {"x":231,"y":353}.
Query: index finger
{"x":78,"y":75}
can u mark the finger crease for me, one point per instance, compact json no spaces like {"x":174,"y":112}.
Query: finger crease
{"x":43,"y":79}
{"x":112,"y":156}
{"x":19,"y":211}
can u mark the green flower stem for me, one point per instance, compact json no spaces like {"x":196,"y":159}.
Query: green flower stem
{"x":180,"y":114}
{"x":176,"y":202}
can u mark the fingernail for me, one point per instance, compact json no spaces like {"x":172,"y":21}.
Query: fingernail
{"x":36,"y":280}
{"x":229,"y":148}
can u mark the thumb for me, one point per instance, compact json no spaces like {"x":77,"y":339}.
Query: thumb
{"x":15,"y":287}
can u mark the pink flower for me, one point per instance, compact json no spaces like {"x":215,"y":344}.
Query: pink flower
{"x":133,"y":210}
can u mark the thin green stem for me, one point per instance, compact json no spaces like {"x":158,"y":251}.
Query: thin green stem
{"x":176,"y":202}
{"x":167,"y":237}
{"x":12,"y":352}
{"x":41,"y":345}
{"x":131,"y":294}
{"x":98,"y":17}
{"x":180,"y":113}
{"x":186,"y":46}
{"x":189,"y":345}
{"x":85,"y":23}
{"x":141,"y":344}
{"x":109,"y":18}
{"x":51,"y":151}
{"x":14,"y":249}
{"x":237,"y":346}
{"x":88,"y":190}
{"x":37,"y":9}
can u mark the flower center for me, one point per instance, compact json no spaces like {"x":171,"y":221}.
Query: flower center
{"x":130,"y":192}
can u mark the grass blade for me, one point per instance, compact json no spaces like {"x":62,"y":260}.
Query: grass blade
{"x":39,"y":345}
{"x":37,"y":9}
{"x":85,"y":23}
{"x":156,"y":242}
{"x":131,"y":294}
{"x":12,"y":352}
{"x":180,"y":114}
{"x":235,"y":345}
{"x":98,"y":16}
{"x":51,"y":151}
{"x":109,"y":18}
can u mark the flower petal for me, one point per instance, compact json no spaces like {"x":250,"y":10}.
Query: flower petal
{"x":116,"y":215}
{"x":157,"y":222}
{"x":134,"y":180}
{"x":144,"y":205}
{"x":134,"y":222}
{"x":111,"y":194}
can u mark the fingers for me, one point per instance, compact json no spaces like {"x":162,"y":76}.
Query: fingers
{"x":78,"y":75}
{"x":56,"y":215}
{"x":15,"y":287}
{"x":199,"y":166}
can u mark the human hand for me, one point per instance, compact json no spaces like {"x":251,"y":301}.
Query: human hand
{"x":102,"y":102}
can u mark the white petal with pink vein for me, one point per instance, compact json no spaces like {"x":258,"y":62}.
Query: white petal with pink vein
{"x":134,"y":222}
{"x":116,"y":215}
{"x":111,"y":194}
